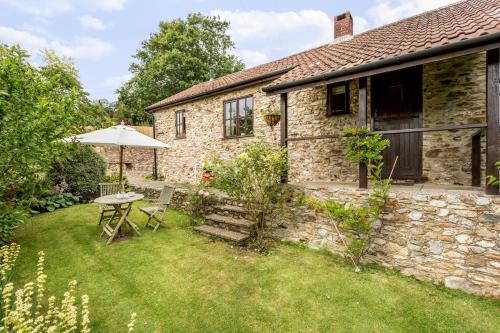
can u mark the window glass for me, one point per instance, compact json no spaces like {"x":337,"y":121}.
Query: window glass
{"x":238,"y":117}
{"x":338,"y":99}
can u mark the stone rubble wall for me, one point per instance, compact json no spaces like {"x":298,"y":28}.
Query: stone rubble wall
{"x":449,"y":238}
{"x":454,"y":94}
{"x":138,"y":162}
{"x":204,"y":133}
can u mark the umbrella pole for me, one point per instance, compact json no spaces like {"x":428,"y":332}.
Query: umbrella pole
{"x":120,"y":177}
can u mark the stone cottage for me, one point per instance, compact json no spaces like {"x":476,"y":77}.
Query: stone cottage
{"x":429,"y":83}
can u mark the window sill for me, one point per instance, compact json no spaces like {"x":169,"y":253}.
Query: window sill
{"x":238,"y":137}
{"x":337,"y":114}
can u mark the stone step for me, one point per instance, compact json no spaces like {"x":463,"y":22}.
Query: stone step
{"x":222,"y":233}
{"x":231,"y":208}
{"x":230,"y":220}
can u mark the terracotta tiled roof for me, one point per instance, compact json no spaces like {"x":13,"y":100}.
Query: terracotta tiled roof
{"x":444,"y":26}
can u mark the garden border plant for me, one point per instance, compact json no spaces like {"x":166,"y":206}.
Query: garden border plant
{"x":28,"y":310}
{"x":254,"y":179}
{"x":362,"y":147}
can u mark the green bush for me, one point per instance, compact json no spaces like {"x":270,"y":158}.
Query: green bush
{"x":52,"y":202}
{"x":254,"y":178}
{"x":80,"y":173}
{"x":10,"y":218}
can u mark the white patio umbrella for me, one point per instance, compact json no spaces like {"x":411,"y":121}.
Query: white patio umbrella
{"x":118,"y":136}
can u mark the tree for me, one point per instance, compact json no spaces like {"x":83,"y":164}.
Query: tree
{"x":39,"y":107}
{"x":173,"y":59}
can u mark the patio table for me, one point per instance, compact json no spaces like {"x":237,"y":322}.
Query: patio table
{"x":122,"y":203}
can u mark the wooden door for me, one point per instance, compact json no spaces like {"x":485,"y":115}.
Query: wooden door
{"x":397,"y":104}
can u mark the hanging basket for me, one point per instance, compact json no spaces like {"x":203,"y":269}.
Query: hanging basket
{"x":272,"y":119}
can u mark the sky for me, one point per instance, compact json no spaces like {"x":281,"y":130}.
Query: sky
{"x":103,"y":35}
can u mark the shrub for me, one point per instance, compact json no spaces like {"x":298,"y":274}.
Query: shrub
{"x":254,"y":178}
{"x":10,"y":218}
{"x":54,"y":201}
{"x":80,"y":173}
{"x":358,"y":220}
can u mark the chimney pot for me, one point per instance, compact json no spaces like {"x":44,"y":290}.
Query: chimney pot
{"x":343,"y":26}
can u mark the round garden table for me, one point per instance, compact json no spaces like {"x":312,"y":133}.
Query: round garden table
{"x":122,"y":203}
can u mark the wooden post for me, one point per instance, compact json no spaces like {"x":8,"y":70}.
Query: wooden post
{"x":284,"y":127}
{"x":120,"y":175}
{"x":362,"y":122}
{"x":155,"y":157}
{"x":284,"y":120}
{"x":476,"y":159}
{"x":493,"y":114}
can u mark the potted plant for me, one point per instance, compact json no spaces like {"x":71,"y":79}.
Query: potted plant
{"x":207,"y":175}
{"x":272,"y":116}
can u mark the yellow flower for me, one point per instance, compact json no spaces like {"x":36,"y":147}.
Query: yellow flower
{"x":244,"y":156}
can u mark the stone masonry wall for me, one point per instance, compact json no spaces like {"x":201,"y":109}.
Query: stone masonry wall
{"x":323,"y":159}
{"x":138,"y":162}
{"x":204,"y":133}
{"x":454,"y":94}
{"x":449,"y":238}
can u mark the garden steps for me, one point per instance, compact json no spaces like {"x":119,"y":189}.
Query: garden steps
{"x":230,"y":222}
{"x":223,"y":233}
{"x":239,"y":222}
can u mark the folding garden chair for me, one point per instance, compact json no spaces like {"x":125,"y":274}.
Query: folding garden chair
{"x":156,"y":212}
{"x":108,"y":211}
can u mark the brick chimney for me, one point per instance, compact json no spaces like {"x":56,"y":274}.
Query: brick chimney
{"x":343,"y":27}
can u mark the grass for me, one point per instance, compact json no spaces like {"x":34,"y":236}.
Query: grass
{"x":179,"y":281}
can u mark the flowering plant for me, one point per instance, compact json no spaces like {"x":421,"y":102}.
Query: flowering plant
{"x":27,"y":310}
{"x":201,"y":200}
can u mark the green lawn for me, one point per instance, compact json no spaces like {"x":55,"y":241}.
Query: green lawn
{"x":176,"y":280}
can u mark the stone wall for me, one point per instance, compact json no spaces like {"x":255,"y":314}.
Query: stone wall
{"x":138,"y":162}
{"x":324,"y":159}
{"x":204,"y":133}
{"x":449,"y":238}
{"x":454,"y":94}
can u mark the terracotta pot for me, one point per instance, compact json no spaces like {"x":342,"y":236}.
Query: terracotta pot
{"x":272,"y":119}
{"x":207,"y":176}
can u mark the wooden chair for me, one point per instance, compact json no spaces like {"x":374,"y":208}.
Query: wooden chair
{"x":108,"y":211}
{"x":156,"y":212}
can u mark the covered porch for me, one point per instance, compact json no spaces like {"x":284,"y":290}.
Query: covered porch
{"x":399,"y":98}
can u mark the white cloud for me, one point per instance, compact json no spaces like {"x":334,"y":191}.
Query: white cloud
{"x":114,"y":82}
{"x":105,"y":5}
{"x":360,"y":24}
{"x":90,"y":22}
{"x":252,"y":58}
{"x":44,"y":8}
{"x":258,"y":34}
{"x":387,"y":11}
{"x":79,"y":48}
{"x":261,"y":24}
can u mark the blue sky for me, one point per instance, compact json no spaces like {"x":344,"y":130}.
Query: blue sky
{"x":102,"y":35}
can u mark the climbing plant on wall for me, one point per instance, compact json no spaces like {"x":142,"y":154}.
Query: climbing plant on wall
{"x":357,"y":220}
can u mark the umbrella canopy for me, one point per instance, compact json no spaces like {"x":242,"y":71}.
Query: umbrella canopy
{"x":119,"y":135}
